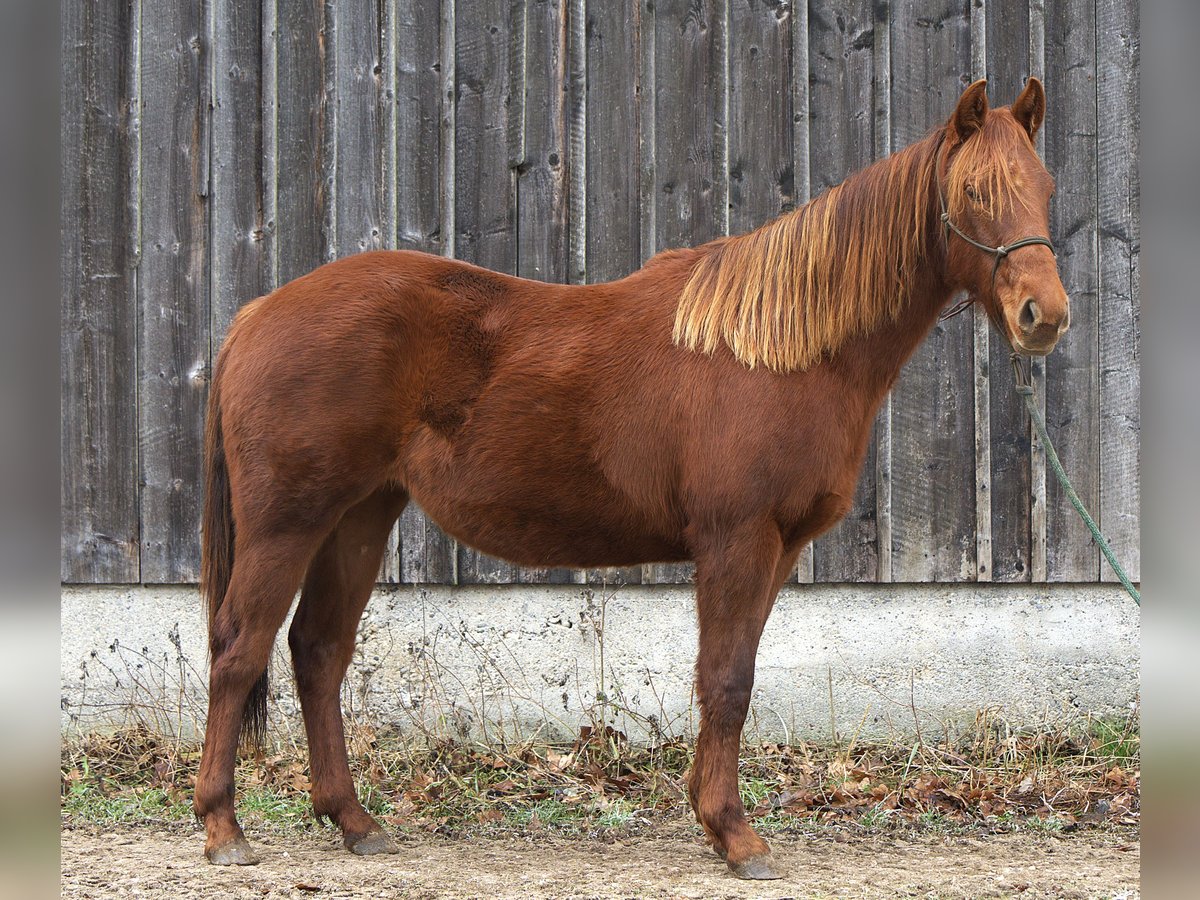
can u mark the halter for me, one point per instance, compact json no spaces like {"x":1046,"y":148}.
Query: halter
{"x":998,"y":252}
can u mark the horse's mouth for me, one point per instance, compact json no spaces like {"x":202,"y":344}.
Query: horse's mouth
{"x":1025,"y":350}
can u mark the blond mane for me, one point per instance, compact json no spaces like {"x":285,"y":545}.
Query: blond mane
{"x":790,"y":293}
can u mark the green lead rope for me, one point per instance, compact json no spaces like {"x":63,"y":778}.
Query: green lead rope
{"x":1026,"y":391}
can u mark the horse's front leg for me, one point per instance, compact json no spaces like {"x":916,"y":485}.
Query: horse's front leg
{"x":738,"y":574}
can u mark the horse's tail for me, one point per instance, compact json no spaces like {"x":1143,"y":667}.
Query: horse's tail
{"x":216,"y":553}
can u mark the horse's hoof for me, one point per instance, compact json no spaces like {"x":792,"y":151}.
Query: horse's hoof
{"x":371,"y":843}
{"x":233,"y":853}
{"x":756,"y":868}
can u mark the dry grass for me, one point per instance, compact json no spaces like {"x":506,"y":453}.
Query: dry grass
{"x":1086,"y":773}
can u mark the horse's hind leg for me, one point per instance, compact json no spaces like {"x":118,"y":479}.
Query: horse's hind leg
{"x":336,"y":591}
{"x":266,"y":574}
{"x":738,"y":575}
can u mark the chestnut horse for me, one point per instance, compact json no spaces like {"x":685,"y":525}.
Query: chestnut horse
{"x":714,"y":406}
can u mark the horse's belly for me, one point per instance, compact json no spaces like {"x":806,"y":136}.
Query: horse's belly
{"x":533,"y":504}
{"x":552,"y":535}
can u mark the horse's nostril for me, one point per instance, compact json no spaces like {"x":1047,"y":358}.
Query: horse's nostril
{"x":1029,"y":316}
{"x":1066,"y":321}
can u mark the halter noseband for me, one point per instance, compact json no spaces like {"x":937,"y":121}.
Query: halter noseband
{"x":998,"y":252}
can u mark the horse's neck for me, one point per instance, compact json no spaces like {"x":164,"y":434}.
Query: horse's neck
{"x":874,"y":360}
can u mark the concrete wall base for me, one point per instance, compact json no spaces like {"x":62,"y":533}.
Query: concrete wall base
{"x":515,"y":661}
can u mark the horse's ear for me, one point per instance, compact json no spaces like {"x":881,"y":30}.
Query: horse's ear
{"x":971,"y":110}
{"x":1030,"y":108}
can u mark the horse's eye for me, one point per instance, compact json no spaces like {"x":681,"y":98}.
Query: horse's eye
{"x":971,"y":192}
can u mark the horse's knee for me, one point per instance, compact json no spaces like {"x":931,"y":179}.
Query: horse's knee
{"x":725,"y":697}
{"x":239,"y":663}
{"x":315,"y":657}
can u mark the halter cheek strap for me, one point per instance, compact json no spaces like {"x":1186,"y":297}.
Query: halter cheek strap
{"x":998,"y":252}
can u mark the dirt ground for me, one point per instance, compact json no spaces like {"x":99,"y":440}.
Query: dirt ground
{"x":157,"y":865}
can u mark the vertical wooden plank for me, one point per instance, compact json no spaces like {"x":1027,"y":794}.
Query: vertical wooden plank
{"x":173,"y":286}
{"x":1037,"y":366}
{"x":390,"y":568}
{"x":303,"y":213}
{"x":420,"y":199}
{"x":1072,"y":378}
{"x":353,"y":34}
{"x":760,"y":72}
{"x":269,"y":117}
{"x":981,"y":358}
{"x":543,"y":236}
{"x":577,"y":146}
{"x":1118,"y":190}
{"x":647,"y":107}
{"x":99,"y":320}
{"x":238,"y":260}
{"x":690,"y":177}
{"x":761,"y":166}
{"x":418,"y":189}
{"x":1008,"y":38}
{"x":427,"y":554}
{"x":933,"y":433}
{"x":801,"y":150}
{"x":489,"y":40}
{"x":613,"y":166}
{"x":841,"y":47}
{"x":354,"y":94}
{"x":577,"y":63}
{"x":883,"y":421}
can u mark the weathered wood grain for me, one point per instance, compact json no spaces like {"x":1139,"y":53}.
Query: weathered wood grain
{"x":613,"y":162}
{"x":99,"y":487}
{"x":416,"y":69}
{"x":570,"y":140}
{"x":690,"y":178}
{"x":422,"y":204}
{"x":1037,"y":366}
{"x":353,"y":36}
{"x":981,"y":363}
{"x":1072,"y":377}
{"x":801,"y":151}
{"x":933,"y":417}
{"x":543,"y":238}
{"x":173,"y":286}
{"x":303,"y":215}
{"x":882,"y":66}
{"x":489,"y":41}
{"x":761,"y":152}
{"x":358,"y":144}
{"x":841,"y":47}
{"x":238,"y":260}
{"x":1009,"y":432}
{"x":1119,"y":224}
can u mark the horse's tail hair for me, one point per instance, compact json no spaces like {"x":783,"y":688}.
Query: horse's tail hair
{"x":216,"y":566}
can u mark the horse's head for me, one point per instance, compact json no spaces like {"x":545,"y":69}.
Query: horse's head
{"x":995,"y":197}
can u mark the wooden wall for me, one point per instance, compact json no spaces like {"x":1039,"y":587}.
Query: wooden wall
{"x":214,"y":150}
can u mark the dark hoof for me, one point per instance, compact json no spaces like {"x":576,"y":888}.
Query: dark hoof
{"x":234,"y":853}
{"x":371,"y":843}
{"x":756,"y":868}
